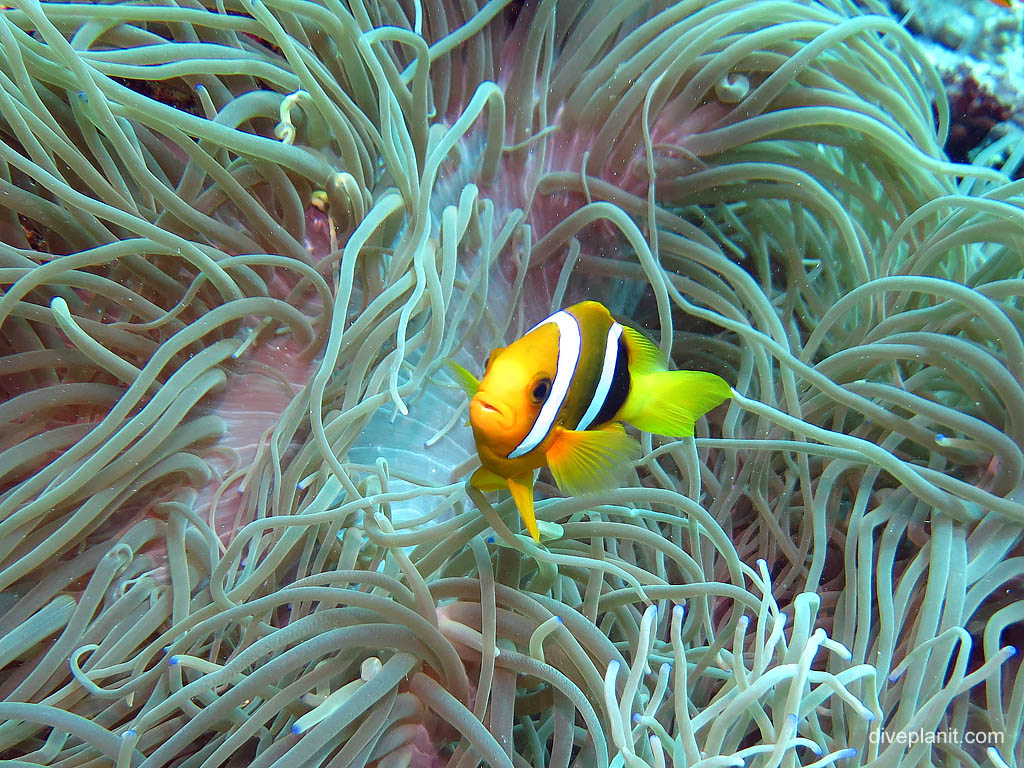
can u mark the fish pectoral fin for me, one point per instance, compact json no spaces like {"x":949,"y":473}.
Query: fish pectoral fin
{"x":466,"y":380}
{"x":522,"y":494}
{"x":486,"y":480}
{"x":590,"y":460}
{"x":669,"y":402}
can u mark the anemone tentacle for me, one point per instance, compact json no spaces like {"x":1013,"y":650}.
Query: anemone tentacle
{"x":237,"y":239}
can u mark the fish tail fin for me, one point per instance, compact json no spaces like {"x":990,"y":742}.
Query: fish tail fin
{"x":669,"y":402}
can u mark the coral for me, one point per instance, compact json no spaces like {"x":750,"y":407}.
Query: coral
{"x":973,"y":114}
{"x":237,"y":240}
{"x":978,"y":48}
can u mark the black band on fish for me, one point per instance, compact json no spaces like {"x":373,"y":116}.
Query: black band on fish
{"x":609,"y":367}
{"x":619,"y":390}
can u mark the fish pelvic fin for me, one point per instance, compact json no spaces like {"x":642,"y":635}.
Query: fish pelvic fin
{"x":522,"y":495}
{"x":669,"y":402}
{"x":466,"y":380}
{"x":485,"y":480}
{"x":591,"y":460}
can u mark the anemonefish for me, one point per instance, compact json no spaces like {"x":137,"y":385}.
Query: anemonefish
{"x":1002,"y":3}
{"x":558,"y":396}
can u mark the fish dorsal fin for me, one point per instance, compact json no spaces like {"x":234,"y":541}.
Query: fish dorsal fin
{"x":591,"y":460}
{"x":644,"y":355}
{"x":466,"y":380}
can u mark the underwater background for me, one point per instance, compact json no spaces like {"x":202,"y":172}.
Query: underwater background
{"x":238,"y":238}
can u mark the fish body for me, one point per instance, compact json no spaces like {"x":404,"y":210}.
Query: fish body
{"x":1002,"y":3}
{"x":558,"y":396}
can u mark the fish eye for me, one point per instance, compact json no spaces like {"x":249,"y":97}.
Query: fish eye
{"x":541,"y":390}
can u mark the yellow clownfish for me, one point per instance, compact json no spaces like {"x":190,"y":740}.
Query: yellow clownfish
{"x":557,"y":395}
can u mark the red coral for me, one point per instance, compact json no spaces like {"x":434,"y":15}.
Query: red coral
{"x":974,"y":112}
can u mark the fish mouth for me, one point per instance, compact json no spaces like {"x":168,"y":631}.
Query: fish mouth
{"x":483,"y":408}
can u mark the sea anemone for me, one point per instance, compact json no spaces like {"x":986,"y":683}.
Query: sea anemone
{"x":240,"y":236}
